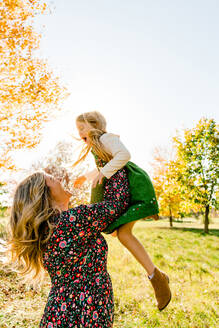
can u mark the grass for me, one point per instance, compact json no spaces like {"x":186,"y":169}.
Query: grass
{"x":185,"y":253}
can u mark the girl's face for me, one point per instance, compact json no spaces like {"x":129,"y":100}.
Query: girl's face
{"x":83,"y":129}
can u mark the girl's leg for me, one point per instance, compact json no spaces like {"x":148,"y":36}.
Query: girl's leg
{"x":158,"y":279}
{"x":126,"y":237}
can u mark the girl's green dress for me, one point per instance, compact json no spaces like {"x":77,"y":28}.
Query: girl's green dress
{"x":143,"y":200}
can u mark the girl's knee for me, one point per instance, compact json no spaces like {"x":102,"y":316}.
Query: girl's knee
{"x":124,"y":232}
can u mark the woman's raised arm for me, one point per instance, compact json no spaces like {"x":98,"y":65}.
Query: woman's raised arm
{"x":88,"y":220}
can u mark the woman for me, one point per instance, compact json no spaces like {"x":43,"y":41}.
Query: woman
{"x":68,"y":243}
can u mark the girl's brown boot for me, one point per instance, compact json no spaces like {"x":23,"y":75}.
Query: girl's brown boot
{"x":160,"y":283}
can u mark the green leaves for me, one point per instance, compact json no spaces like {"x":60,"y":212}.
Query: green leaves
{"x":189,"y":181}
{"x":198,"y":154}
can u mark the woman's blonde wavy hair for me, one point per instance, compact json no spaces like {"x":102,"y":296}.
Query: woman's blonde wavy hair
{"x":30,"y":227}
{"x":97,"y":124}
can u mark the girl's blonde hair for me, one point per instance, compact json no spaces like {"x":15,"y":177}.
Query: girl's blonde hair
{"x":30,"y":227}
{"x":97,"y":124}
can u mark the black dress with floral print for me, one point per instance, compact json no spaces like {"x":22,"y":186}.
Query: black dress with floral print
{"x":76,"y":259}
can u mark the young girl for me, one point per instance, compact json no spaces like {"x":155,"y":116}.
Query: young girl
{"x":110,"y":156}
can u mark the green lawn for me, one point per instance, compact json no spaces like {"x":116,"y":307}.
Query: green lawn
{"x":185,"y":253}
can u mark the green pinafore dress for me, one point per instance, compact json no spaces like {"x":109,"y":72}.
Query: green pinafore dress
{"x":143,"y":200}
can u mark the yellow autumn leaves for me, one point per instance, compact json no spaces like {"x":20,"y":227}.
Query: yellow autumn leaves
{"x":29,"y":91}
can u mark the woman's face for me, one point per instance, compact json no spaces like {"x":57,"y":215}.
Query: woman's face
{"x":83,"y":129}
{"x":58,"y":193}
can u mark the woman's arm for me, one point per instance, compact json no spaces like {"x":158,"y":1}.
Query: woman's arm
{"x":116,"y":148}
{"x":86,"y":221}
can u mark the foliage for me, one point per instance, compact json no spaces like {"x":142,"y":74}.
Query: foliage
{"x":166,"y":185}
{"x":3,"y":196}
{"x":197,"y":155}
{"x":29,"y":91}
{"x":59,"y":163}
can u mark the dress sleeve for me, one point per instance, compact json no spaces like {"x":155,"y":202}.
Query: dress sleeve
{"x":116,"y":148}
{"x":86,"y":221}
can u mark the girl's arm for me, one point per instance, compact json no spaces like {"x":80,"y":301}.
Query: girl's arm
{"x":121,"y":155}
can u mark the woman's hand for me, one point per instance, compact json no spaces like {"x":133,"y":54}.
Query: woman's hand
{"x":98,"y":179}
{"x":79,"y":181}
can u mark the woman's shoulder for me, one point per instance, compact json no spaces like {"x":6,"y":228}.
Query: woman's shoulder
{"x":69,"y":217}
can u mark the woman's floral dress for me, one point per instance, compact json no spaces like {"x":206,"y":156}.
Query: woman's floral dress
{"x":76,"y":260}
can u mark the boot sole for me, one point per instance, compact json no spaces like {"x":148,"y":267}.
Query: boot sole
{"x":166,"y":304}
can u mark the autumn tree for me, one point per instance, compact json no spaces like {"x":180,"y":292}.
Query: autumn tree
{"x":197,"y":155}
{"x":166,"y":185}
{"x":29,"y":91}
{"x":59,"y":162}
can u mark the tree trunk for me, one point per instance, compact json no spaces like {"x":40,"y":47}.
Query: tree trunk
{"x":171,"y":219}
{"x":206,"y":218}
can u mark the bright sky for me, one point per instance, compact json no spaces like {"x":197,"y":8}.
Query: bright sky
{"x":150,"y":67}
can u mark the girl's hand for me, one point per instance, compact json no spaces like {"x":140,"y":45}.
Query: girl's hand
{"x":79,"y":181}
{"x":98,"y":179}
